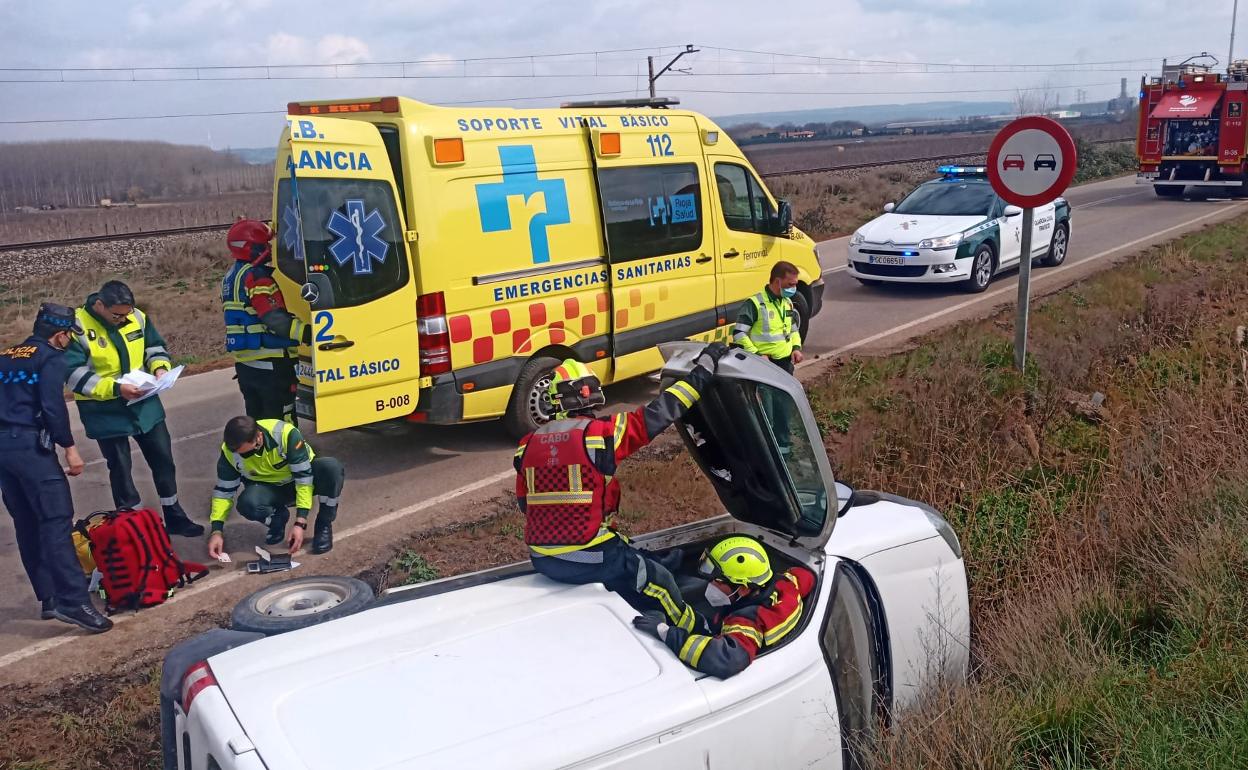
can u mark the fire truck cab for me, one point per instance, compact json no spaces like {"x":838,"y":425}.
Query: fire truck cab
{"x":1191,"y":129}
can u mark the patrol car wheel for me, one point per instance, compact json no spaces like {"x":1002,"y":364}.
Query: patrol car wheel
{"x":981,"y":270}
{"x":530,"y":406}
{"x":803,"y":314}
{"x":299,"y":603}
{"x":1057,"y":247}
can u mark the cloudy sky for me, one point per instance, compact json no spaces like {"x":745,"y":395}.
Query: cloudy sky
{"x":454,"y":52}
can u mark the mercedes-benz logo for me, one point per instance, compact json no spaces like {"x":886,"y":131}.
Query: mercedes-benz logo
{"x":310,"y":293}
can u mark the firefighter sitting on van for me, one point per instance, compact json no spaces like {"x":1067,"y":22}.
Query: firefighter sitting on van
{"x":751,"y":610}
{"x":566,"y":487}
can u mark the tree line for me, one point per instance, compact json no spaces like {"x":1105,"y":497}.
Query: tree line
{"x":83,"y":172}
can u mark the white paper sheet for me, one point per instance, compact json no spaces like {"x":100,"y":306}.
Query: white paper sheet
{"x":149,"y":384}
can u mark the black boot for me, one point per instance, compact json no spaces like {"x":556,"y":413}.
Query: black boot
{"x":178,"y":523}
{"x":47,"y":609}
{"x":85,"y":616}
{"x":277,"y":527}
{"x":323,"y":537}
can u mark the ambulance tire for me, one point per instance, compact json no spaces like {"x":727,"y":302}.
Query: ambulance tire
{"x":803,"y":314}
{"x":522,"y":412}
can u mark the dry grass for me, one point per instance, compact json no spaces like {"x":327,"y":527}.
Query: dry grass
{"x":178,"y":286}
{"x":1106,"y":549}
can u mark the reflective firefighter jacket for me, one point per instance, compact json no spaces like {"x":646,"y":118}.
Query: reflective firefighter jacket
{"x":767,"y":325}
{"x":98,"y":357}
{"x":285,"y":458}
{"x":257,"y":324}
{"x":569,"y":495}
{"x":761,"y":621}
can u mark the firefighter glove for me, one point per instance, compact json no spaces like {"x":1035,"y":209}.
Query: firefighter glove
{"x":653,"y":623}
{"x":711,"y":355}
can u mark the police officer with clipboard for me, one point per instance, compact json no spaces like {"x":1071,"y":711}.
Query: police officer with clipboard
{"x":33,"y":422}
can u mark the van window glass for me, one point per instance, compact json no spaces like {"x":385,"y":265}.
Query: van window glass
{"x":651,"y":211}
{"x":352,"y":233}
{"x":390,"y":137}
{"x":733,"y":184}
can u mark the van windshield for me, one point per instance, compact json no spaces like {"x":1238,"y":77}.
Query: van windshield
{"x":351,"y":233}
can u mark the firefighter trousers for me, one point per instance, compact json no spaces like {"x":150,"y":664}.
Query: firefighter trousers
{"x":268,"y":391}
{"x":641,"y":581}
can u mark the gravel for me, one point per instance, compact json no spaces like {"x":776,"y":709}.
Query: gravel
{"x":105,"y":255}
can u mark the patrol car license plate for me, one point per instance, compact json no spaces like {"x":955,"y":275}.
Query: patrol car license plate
{"x":884,"y":259}
{"x":303,"y":371}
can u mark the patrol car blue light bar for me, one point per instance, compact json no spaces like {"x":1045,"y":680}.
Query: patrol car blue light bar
{"x":963,"y":170}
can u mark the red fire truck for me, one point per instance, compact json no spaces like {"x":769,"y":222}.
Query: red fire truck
{"x":1192,"y":129}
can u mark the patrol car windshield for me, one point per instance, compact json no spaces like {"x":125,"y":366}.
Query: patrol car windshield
{"x":949,"y":198}
{"x":351,"y":233}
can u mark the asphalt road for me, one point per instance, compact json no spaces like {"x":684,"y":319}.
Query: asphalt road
{"x":408,"y":474}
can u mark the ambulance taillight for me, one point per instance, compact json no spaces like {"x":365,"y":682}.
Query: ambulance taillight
{"x":433,"y":334}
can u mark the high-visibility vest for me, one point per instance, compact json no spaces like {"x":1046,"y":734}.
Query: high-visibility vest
{"x":772,"y":332}
{"x":105,"y":359}
{"x":269,"y":465}
{"x":246,"y":337}
{"x":565,"y":494}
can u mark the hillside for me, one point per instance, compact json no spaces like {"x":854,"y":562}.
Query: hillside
{"x":80,"y":173}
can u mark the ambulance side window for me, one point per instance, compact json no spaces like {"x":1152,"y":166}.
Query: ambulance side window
{"x":651,"y":211}
{"x":743,"y":199}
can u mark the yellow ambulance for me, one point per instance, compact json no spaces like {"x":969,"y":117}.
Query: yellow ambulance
{"x":449,"y":259}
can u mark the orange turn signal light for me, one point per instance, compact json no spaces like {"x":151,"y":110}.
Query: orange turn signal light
{"x":448,"y":150}
{"x":609,"y":144}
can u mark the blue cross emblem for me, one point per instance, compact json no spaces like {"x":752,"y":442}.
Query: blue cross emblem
{"x":520,"y":178}
{"x":290,"y":230}
{"x":359,"y":239}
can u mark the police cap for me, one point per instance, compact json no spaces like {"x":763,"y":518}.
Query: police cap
{"x":59,"y":317}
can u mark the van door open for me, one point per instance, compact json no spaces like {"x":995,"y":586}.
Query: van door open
{"x":747,"y":243}
{"x":338,"y":213}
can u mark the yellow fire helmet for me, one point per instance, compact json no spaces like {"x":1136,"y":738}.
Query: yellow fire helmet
{"x":574,"y":388}
{"x":740,"y":560}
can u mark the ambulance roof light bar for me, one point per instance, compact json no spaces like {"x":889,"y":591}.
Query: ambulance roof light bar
{"x":384,"y":104}
{"x":657,"y":103}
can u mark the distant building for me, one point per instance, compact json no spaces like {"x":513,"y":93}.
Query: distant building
{"x":106,"y":202}
{"x":801,"y":134}
{"x":1064,"y":114}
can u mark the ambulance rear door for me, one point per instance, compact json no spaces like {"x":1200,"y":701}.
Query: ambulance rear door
{"x":652,"y":184}
{"x":339,"y":213}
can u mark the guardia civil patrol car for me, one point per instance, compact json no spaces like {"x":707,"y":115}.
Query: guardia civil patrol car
{"x":955,"y":229}
{"x":448,"y":259}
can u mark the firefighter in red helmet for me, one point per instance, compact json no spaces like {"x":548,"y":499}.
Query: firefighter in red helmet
{"x":260,"y":333}
{"x":566,"y":487}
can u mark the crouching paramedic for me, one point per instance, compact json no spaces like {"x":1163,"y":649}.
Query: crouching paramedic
{"x":566,"y":487}
{"x":752,"y":611}
{"x":276,"y":468}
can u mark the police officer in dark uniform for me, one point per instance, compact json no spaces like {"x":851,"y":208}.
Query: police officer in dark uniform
{"x":33,"y":422}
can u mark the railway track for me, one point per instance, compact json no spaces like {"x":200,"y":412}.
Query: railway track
{"x":210,"y":228}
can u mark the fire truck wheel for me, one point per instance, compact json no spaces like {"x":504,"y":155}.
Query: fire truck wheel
{"x":1168,"y":191}
{"x":530,"y":405}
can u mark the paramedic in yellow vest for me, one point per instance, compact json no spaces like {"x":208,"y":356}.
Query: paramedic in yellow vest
{"x":118,"y":338}
{"x":276,"y":468}
{"x":767,"y":325}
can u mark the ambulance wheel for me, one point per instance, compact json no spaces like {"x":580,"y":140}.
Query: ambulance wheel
{"x":803,"y":314}
{"x":299,"y":603}
{"x":530,"y":406}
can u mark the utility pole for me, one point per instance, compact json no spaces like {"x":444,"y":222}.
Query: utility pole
{"x":1230,"y":54}
{"x":654,"y":76}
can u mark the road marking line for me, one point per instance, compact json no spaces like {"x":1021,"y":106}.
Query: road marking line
{"x":135,"y":450}
{"x":1011,"y":289}
{"x":1106,"y":200}
{"x":212,"y":582}
{"x":57,"y":641}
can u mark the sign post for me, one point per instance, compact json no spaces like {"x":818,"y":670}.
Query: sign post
{"x":1031,"y":161}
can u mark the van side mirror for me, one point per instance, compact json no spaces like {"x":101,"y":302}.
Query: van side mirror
{"x":888,"y":207}
{"x":1012,"y":211}
{"x":784,"y":219}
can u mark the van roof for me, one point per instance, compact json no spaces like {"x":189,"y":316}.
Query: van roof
{"x":376,"y":106}
{"x":523,"y":672}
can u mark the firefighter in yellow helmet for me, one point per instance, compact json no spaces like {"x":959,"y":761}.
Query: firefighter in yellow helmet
{"x":566,"y":487}
{"x":753,"y":609}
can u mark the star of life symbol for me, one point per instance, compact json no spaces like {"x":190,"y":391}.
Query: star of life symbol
{"x":358,"y":237}
{"x":290,"y":230}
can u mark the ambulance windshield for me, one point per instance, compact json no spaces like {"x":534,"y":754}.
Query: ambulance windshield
{"x":351,"y":233}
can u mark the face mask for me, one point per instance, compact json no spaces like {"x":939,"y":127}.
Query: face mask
{"x":715,"y":595}
{"x":790,"y":292}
